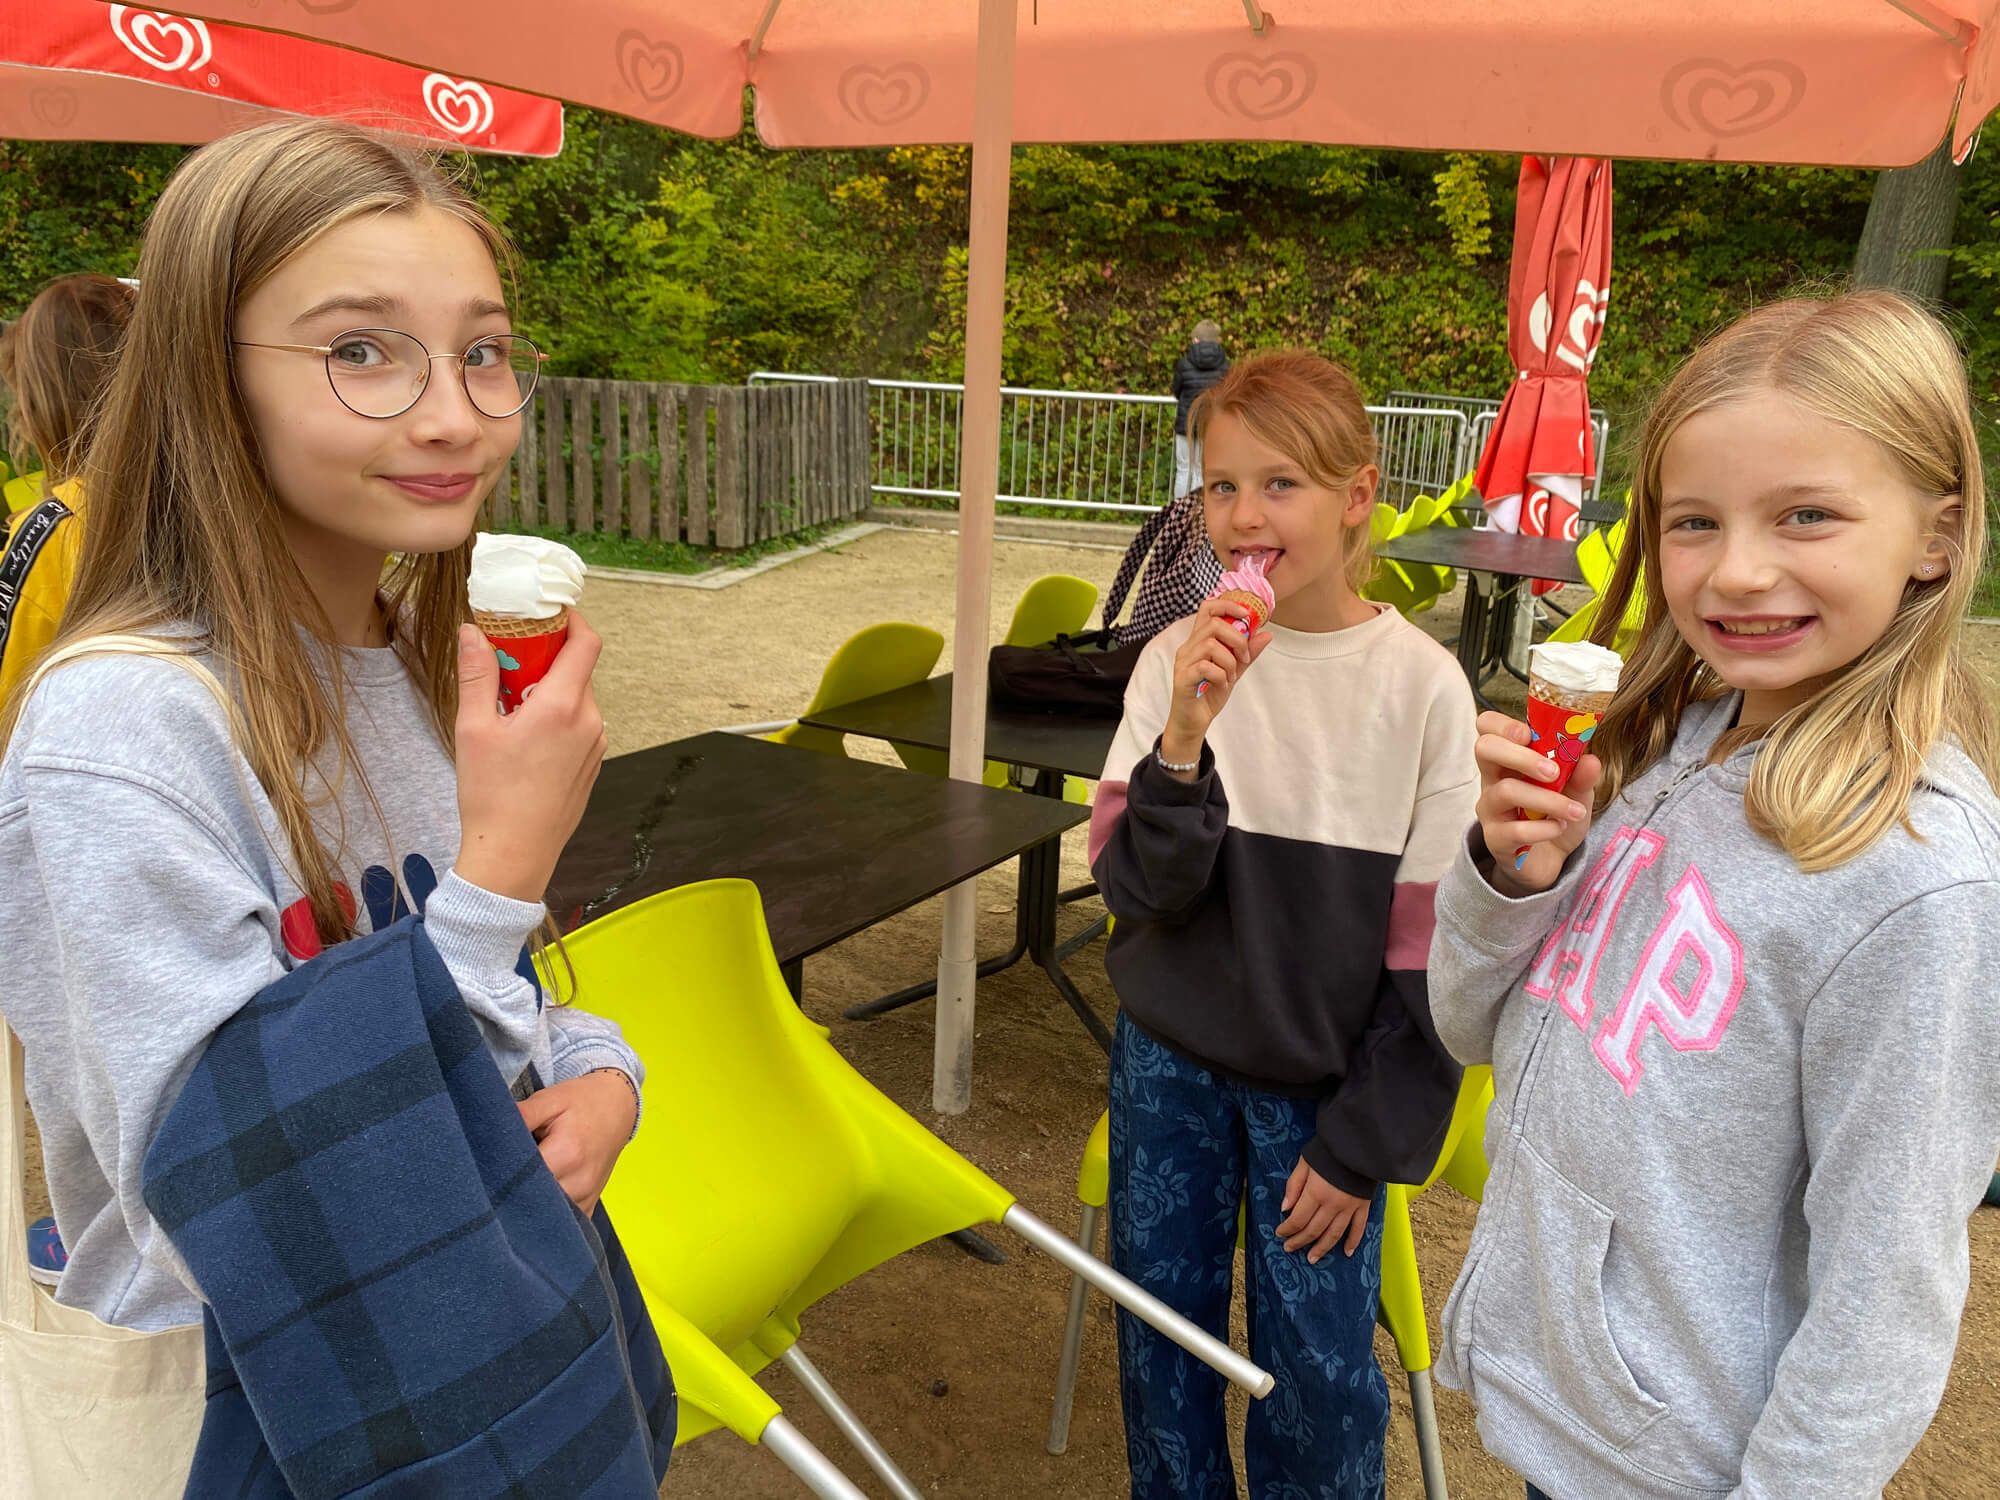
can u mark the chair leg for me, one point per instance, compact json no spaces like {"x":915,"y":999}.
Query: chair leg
{"x":789,"y":1446}
{"x":1141,"y":1303}
{"x":822,"y":1391}
{"x":1072,"y":1344}
{"x":1430,"y":1448}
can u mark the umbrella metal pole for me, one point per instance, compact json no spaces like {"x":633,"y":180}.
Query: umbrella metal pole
{"x":979,"y":478}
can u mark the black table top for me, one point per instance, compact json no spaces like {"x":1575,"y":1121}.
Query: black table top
{"x":1502,"y":552}
{"x":833,"y":845}
{"x":920,"y":715}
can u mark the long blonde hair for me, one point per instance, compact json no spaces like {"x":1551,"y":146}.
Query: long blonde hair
{"x":1836,"y":772}
{"x":1309,"y":409}
{"x":184,"y":527}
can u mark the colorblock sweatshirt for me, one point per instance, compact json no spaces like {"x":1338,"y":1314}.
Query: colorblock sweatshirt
{"x":1741,"y":1115}
{"x":1274,"y":915}
{"x":147,"y":901}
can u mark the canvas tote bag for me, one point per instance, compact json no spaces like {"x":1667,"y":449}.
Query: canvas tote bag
{"x":86,"y":1410}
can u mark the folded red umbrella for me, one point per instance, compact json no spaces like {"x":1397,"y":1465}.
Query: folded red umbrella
{"x":1541,"y":453}
{"x":78,"y":70}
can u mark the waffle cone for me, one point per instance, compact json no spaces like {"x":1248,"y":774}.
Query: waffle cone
{"x":1565,"y":698}
{"x":516,"y":627}
{"x":1259,"y":614}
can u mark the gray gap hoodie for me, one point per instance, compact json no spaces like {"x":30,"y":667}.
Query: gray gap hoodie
{"x":1741,"y":1115}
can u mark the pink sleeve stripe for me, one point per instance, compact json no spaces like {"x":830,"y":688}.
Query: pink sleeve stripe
{"x":1412,"y":917}
{"x":1106,"y":808}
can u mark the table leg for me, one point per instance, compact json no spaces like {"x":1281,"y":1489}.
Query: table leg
{"x":1037,"y":894}
{"x":1472,"y":632}
{"x":1474,"y":622}
{"x":1041,"y":882}
{"x":988,"y":967}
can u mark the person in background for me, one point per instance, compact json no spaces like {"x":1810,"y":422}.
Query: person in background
{"x":1198,"y":370}
{"x":56,"y":359}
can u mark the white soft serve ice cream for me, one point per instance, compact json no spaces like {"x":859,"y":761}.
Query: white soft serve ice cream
{"x":1576,"y":666}
{"x":523,"y":577}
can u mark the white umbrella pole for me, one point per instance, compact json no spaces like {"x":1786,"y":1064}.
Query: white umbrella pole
{"x":978,"y":481}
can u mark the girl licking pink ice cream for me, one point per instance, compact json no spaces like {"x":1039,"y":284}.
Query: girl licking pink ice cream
{"x":1248,"y":587}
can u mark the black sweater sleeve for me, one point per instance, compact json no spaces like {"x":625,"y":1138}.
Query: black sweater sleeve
{"x":1387,"y":1119}
{"x":1161,"y":855}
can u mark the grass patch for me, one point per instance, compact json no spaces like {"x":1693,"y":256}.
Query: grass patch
{"x":604,"y":550}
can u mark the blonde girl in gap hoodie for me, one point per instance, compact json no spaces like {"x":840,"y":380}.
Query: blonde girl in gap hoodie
{"x":1744,"y":1016}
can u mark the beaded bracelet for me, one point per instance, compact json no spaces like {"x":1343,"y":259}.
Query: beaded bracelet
{"x":1165,"y":764}
{"x":637,"y":1107}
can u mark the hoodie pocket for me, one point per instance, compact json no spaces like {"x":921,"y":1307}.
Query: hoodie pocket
{"x":1538,"y":1321}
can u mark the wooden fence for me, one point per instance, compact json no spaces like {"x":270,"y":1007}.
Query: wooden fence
{"x":716,"y":466}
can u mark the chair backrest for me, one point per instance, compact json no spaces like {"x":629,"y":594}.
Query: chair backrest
{"x":767,"y":1171}
{"x":1422,"y":512}
{"x":1465,"y":1136}
{"x":1055,"y":605}
{"x":879,"y":659}
{"x":1594,"y":559}
{"x":23,"y":490}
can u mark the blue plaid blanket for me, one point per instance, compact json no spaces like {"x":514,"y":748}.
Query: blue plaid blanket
{"x":402,"y":1303}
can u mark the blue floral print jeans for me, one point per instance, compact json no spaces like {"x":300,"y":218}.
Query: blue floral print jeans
{"x":1187,"y":1148}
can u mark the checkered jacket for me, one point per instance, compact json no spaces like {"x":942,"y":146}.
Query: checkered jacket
{"x":1183,"y":571}
{"x":401,"y":1300}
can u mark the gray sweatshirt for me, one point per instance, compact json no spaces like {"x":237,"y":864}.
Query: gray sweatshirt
{"x":1741,"y":1115}
{"x":146,"y":901}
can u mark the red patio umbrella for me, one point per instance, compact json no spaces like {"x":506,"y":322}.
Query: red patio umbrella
{"x":78,"y":70}
{"x":1541,"y":452}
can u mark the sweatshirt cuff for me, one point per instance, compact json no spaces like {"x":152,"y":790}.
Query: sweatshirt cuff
{"x":1321,"y":1159}
{"x":1498,"y":925}
{"x":478,"y":934}
{"x":1162,"y":786}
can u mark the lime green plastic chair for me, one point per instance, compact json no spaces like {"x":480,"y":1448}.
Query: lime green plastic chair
{"x":1425,"y":511}
{"x":1453,"y":500}
{"x":1579,"y":625}
{"x":23,"y":490}
{"x":876,"y":660}
{"x":1051,"y":606}
{"x":1409,"y":588}
{"x":1461,"y":1161}
{"x":1595,"y":560}
{"x":1596,"y":557}
{"x":767,"y":1172}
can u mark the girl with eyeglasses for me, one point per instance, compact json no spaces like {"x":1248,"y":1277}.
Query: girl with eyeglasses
{"x":266,"y":725}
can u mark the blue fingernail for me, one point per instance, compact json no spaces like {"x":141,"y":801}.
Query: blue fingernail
{"x":1520,"y":859}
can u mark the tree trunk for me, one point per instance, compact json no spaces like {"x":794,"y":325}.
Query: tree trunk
{"x":1906,"y":241}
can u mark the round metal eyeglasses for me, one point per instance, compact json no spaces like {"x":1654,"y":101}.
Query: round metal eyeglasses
{"x":381,"y":372}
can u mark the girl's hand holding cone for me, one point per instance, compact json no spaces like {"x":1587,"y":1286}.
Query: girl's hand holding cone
{"x":523,"y":778}
{"x":1514,"y":778}
{"x":1216,"y":652}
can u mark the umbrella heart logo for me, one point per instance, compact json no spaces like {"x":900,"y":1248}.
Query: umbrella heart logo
{"x":652,"y":70}
{"x":55,"y":108}
{"x":170,"y":43}
{"x":1260,"y":88}
{"x":462,"y":107}
{"x":884,"y":96}
{"x":1708,"y":95}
